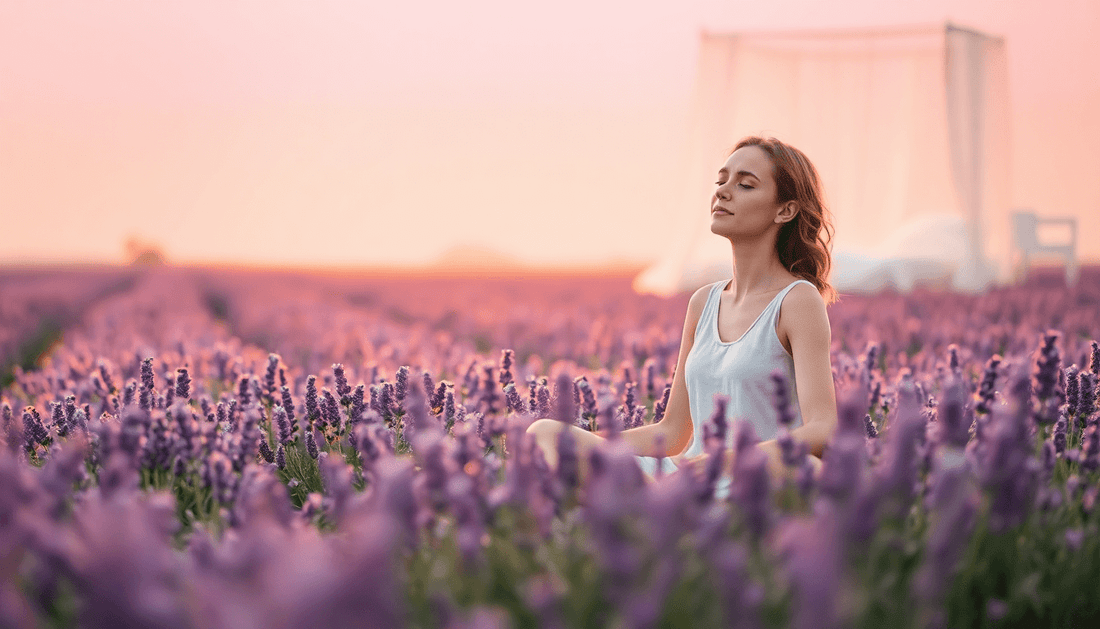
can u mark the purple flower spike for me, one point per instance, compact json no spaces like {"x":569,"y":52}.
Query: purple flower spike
{"x":450,"y":411}
{"x":342,"y":387}
{"x":1073,"y":390}
{"x":358,"y":403}
{"x":953,"y":416}
{"x":750,"y":490}
{"x":953,"y":510}
{"x":243,"y":394}
{"x":288,"y":403}
{"x":1094,"y":363}
{"x":183,"y":384}
{"x":515,"y":402}
{"x":588,"y":407}
{"x":265,"y":451}
{"x":506,"y":359}
{"x":987,"y":387}
{"x":57,"y":417}
{"x":872,"y":430}
{"x":782,"y":398}
{"x":662,"y":405}
{"x":147,"y":380}
{"x":1086,"y":403}
{"x":269,"y":377}
{"x":313,"y":409}
{"x":311,"y":445}
{"x":401,"y":385}
{"x":438,"y":396}
{"x":791,"y":450}
{"x":1045,"y":380}
{"x":543,"y":405}
{"x":564,"y":410}
{"x":608,"y":419}
{"x":811,"y":551}
{"x":105,"y":373}
{"x":282,"y":424}
{"x":429,"y":385}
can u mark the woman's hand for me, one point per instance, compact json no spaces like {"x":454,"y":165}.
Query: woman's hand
{"x":696,"y":463}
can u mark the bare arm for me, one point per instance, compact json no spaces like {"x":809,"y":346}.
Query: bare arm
{"x":675,"y":428}
{"x":805,"y":324}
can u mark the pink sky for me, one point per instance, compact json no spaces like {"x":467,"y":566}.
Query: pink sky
{"x":328,"y":132}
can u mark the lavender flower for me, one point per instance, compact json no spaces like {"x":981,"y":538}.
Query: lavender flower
{"x":986,"y":389}
{"x":386,"y":402}
{"x":330,"y":412}
{"x":244,"y":396}
{"x":449,"y":409}
{"x":588,"y":407}
{"x":147,"y":374}
{"x":311,"y":444}
{"x":543,"y":405}
{"x":1045,"y":379}
{"x":108,"y":382}
{"x":506,"y":358}
{"x":662,"y":405}
{"x":342,"y":387}
{"x":57,"y":417}
{"x":282,"y":424}
{"x":265,"y":451}
{"x":953,"y":415}
{"x":358,"y":403}
{"x":269,"y":377}
{"x":1073,"y":390}
{"x":782,"y":399}
{"x":564,"y":410}
{"x":872,"y":430}
{"x":313,"y":411}
{"x":1086,"y":404}
{"x":515,"y":402}
{"x":288,"y":403}
{"x":401,"y":385}
{"x":183,"y":384}
{"x":435,"y":401}
{"x":1094,"y":363}
{"x":1059,"y":436}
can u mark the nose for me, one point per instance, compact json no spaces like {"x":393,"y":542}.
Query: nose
{"x":722,"y":193}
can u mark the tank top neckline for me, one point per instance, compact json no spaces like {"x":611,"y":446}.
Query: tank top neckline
{"x":717,"y":290}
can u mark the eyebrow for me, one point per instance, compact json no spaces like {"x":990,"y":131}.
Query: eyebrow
{"x":739,"y":173}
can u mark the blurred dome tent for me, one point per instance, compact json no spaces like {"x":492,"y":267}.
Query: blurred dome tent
{"x":908,"y":128}
{"x":143,"y":254}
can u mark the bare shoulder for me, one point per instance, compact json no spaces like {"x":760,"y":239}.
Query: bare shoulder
{"x":694,"y":310}
{"x":803,"y":310}
{"x":699,"y":298}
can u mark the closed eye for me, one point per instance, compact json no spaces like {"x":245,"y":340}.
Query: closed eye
{"x":745,"y":186}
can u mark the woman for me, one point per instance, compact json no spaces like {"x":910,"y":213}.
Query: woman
{"x":770,"y":315}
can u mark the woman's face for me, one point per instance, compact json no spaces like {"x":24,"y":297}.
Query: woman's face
{"x":744,"y":202}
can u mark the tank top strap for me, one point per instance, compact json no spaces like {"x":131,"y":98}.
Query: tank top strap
{"x":772,"y":311}
{"x":710,"y":311}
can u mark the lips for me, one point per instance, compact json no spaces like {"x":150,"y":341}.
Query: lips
{"x":720,"y":211}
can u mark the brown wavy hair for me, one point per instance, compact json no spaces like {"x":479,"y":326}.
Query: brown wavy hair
{"x":804,"y":243}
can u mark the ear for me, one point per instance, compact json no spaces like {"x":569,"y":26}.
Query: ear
{"x":787,"y":212}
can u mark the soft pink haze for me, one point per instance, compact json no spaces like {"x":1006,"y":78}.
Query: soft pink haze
{"x":351,"y":133}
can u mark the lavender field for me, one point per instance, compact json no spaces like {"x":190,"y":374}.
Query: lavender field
{"x":218,"y":448}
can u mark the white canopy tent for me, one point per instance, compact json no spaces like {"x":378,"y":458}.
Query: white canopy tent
{"x":908,"y":129}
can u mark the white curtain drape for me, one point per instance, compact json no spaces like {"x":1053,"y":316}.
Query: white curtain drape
{"x":907,"y":127}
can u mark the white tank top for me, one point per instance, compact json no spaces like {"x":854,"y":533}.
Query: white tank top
{"x":739,"y":369}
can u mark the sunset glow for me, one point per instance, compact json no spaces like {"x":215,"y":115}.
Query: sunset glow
{"x":331,"y":132}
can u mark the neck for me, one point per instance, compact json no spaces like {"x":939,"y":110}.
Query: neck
{"x":756,"y":268}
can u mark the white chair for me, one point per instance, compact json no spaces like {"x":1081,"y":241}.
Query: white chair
{"x":1025,"y":235}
